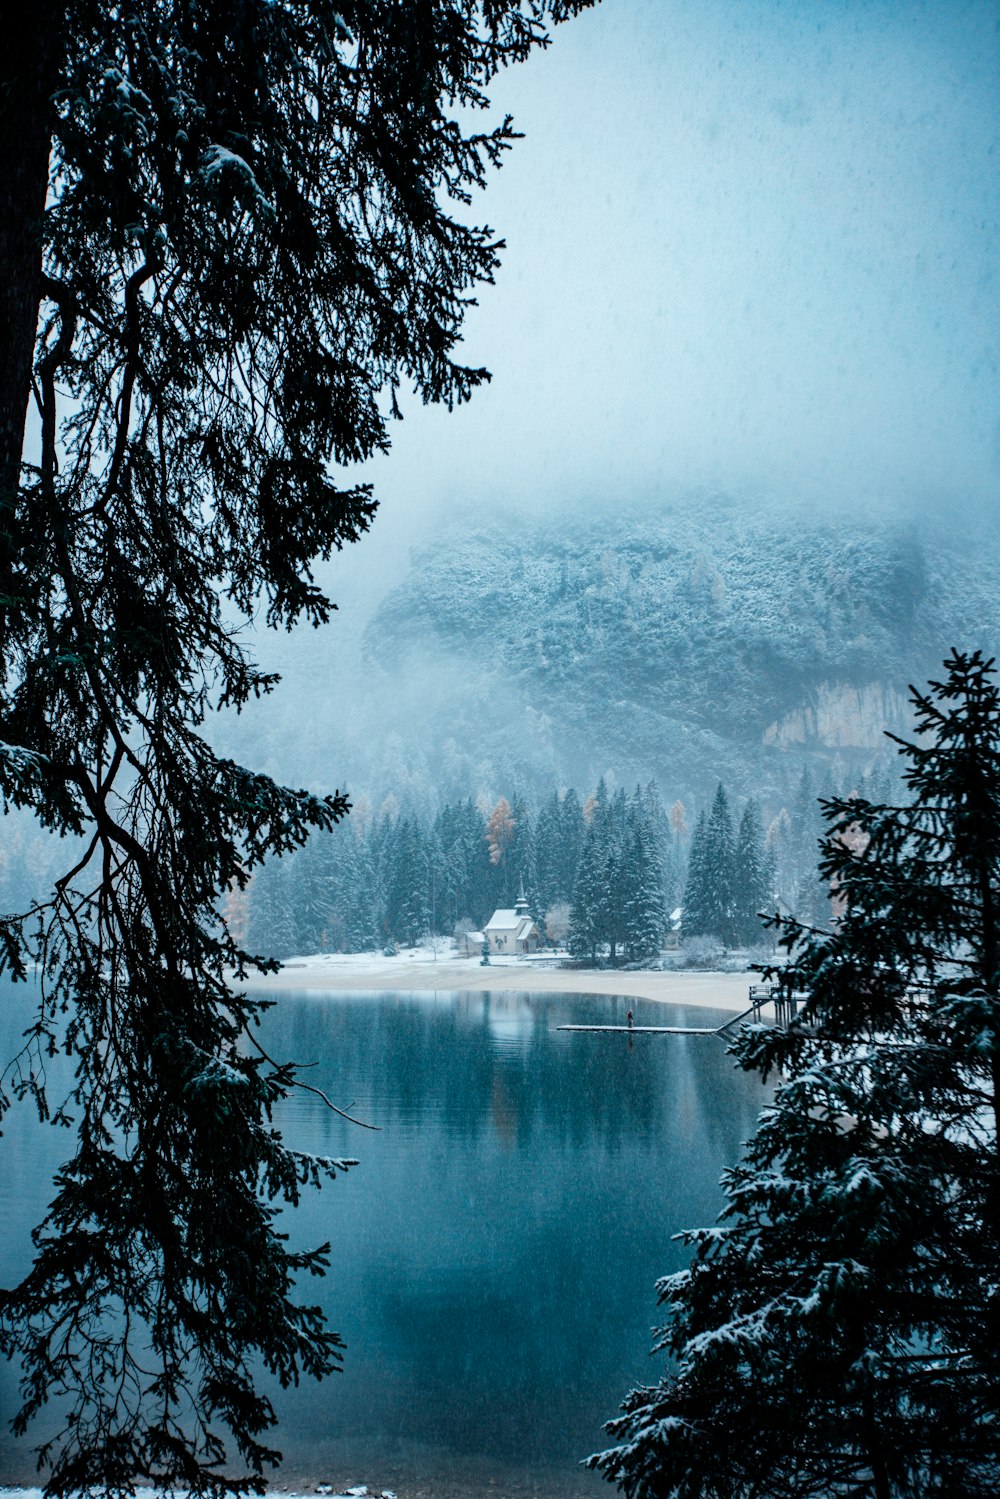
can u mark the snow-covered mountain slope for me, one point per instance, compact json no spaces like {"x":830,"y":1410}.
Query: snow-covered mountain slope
{"x":695,"y":643}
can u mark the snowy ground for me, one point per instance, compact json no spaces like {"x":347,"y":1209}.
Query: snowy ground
{"x":439,"y":968}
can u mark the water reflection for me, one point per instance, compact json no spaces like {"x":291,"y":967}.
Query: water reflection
{"x":415,"y":1059}
{"x":498,"y":1248}
{"x":495,"y":1253}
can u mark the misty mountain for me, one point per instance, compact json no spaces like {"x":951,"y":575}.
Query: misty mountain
{"x":699,"y":643}
{"x":702,"y":642}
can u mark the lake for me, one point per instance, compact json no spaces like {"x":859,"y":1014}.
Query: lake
{"x":496,"y":1251}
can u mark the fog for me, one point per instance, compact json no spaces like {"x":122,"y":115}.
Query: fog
{"x":750,"y":251}
{"x":748,"y":246}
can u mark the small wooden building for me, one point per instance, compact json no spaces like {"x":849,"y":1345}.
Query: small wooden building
{"x":512,"y":931}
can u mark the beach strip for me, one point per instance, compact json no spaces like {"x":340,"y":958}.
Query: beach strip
{"x":424,"y":972}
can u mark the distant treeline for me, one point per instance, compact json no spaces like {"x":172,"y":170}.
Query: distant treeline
{"x":604,"y":876}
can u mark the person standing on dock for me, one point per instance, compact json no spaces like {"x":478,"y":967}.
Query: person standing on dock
{"x":628,"y":1019}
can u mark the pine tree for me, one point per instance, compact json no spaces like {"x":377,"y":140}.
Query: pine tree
{"x":571,"y":842}
{"x":613,"y":824}
{"x":720,"y":851}
{"x":450,"y":870}
{"x":662,"y":834}
{"x":752,"y":878}
{"x":310,"y":894}
{"x":271,"y":926}
{"x":558,"y":835}
{"x":520,"y":862}
{"x":586,"y":928}
{"x":439,"y":885}
{"x":479,"y":901}
{"x":644,"y":920}
{"x":407,"y":906}
{"x":355,"y":901}
{"x":838,"y":1333}
{"x":384,"y":863}
{"x":778,"y":846}
{"x":228,"y":232}
{"x":548,"y":853}
{"x":709,"y":893}
{"x":696,"y":905}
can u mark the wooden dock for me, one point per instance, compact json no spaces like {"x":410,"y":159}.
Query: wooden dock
{"x":785,"y":1002}
{"x":646,"y":1030}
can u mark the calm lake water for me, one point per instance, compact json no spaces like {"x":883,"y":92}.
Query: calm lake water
{"x":495,"y":1253}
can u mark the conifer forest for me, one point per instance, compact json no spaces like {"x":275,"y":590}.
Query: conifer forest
{"x":611,"y":877}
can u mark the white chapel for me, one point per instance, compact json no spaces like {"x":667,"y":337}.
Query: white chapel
{"x":513,"y":931}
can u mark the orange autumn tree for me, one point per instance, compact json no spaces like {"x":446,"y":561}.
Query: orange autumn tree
{"x":500,"y":832}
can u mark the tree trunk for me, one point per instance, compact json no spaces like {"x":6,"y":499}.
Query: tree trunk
{"x":29,"y":71}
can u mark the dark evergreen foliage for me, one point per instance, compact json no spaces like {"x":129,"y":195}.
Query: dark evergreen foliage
{"x":697,"y":904}
{"x":586,"y":930}
{"x":663,"y":842}
{"x":617,"y":878}
{"x":372,"y":882}
{"x":709,"y":893}
{"x":521,"y":866}
{"x":730,"y":879}
{"x":838,"y":1333}
{"x":242,"y":249}
{"x":641,"y":875}
{"x":720,"y":868}
{"x":753,"y":882}
{"x":618,"y":904}
{"x":548,"y":854}
{"x":271,"y":911}
{"x":571,"y":830}
{"x":407,"y":909}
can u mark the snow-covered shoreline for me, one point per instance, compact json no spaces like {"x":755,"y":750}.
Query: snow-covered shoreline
{"x":421,"y":970}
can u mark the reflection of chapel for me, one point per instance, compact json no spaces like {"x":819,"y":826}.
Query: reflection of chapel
{"x":513,"y":931}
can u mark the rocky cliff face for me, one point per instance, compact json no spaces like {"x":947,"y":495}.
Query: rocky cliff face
{"x":842,"y":717}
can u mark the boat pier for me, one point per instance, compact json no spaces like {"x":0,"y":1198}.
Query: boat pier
{"x":785,"y":1001}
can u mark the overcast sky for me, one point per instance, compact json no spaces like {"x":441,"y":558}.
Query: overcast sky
{"x":751,"y":246}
